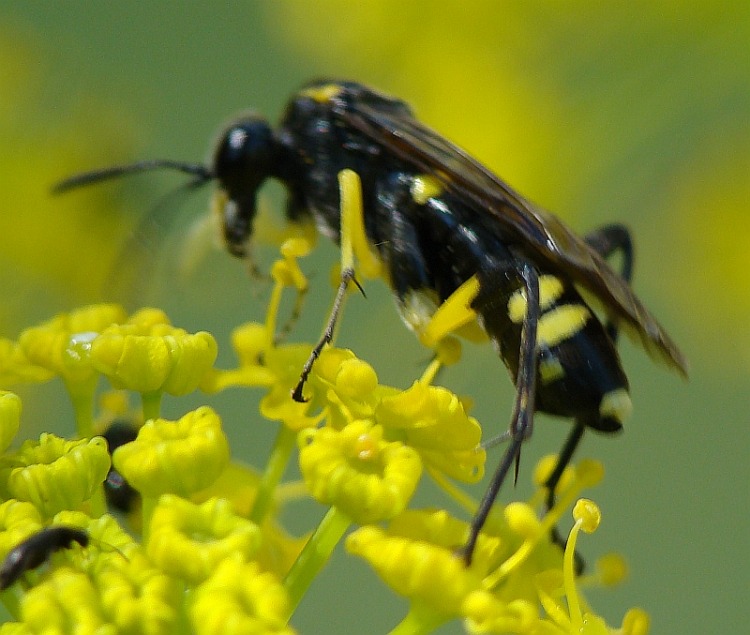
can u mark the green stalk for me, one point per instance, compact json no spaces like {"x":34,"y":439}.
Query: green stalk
{"x":316,"y":553}
{"x":275,"y":468}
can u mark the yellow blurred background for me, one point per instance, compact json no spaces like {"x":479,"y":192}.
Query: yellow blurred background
{"x":636,"y":112}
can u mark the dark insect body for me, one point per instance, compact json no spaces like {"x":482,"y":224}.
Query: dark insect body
{"x":436,"y":221}
{"x":118,"y":491}
{"x":36,"y":549}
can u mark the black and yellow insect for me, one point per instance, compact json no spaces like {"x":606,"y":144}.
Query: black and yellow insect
{"x":455,"y":243}
{"x":36,"y":549}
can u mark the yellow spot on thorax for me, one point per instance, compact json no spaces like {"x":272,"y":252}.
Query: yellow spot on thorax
{"x":425,"y":187}
{"x":322,"y":94}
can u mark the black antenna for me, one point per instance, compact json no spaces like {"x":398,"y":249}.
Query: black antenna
{"x":202,"y":173}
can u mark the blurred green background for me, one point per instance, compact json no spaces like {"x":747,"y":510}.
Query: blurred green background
{"x":636,"y":112}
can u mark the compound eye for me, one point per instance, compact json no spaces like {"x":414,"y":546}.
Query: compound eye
{"x":244,"y":156}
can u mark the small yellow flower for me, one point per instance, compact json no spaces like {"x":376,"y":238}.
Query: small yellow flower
{"x":62,"y":345}
{"x":147,"y":355}
{"x":136,"y":597}
{"x":354,"y":378}
{"x":15,"y":368}
{"x":132,"y":594}
{"x":346,"y":387}
{"x":113,"y":404}
{"x":250,"y":342}
{"x":55,"y":474}
{"x":189,"y":541}
{"x":439,"y":528}
{"x":263,"y":365}
{"x":239,"y":485}
{"x":359,"y":473}
{"x":18,"y":521}
{"x":635,"y":622}
{"x":430,"y":419}
{"x":611,"y":569}
{"x":10,"y":417}
{"x":433,"y":421}
{"x":286,"y":270}
{"x":239,"y":599}
{"x":104,"y":532}
{"x":175,"y":457}
{"x":66,"y":602}
{"x":412,"y":558}
{"x":285,"y":362}
{"x":486,"y":613}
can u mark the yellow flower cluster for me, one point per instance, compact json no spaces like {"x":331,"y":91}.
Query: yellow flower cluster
{"x":207,"y":553}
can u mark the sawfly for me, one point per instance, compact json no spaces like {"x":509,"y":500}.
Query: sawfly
{"x":457,"y":245}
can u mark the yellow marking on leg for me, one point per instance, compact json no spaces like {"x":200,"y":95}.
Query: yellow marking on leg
{"x":561,"y":323}
{"x":354,"y":241}
{"x":322,"y":94}
{"x":616,"y":405}
{"x":550,"y":289}
{"x":452,"y":314}
{"x":425,"y":187}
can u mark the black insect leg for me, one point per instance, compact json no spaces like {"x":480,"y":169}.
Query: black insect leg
{"x":294,"y":316}
{"x":523,"y":407}
{"x":563,"y":460}
{"x":605,"y":241}
{"x":347,"y":276}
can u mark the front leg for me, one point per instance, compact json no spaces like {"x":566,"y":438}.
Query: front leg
{"x":354,"y":245}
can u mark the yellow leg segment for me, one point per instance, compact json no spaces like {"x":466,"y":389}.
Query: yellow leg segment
{"x":453,"y":314}
{"x":354,"y":244}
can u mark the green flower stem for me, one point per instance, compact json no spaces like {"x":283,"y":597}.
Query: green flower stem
{"x":419,"y":620}
{"x":151,"y":403}
{"x":10,"y":600}
{"x":82,"y":397}
{"x":182,"y":623}
{"x":316,"y":553}
{"x":277,"y":462}
{"x":569,"y":576}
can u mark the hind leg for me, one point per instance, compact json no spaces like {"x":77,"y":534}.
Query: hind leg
{"x":606,"y":241}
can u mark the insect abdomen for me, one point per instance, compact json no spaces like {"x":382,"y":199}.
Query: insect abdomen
{"x":579,"y":372}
